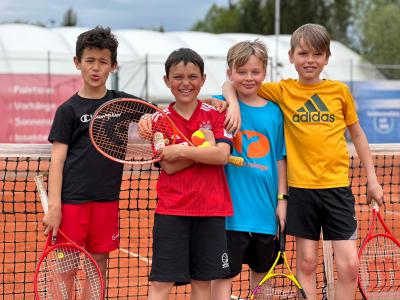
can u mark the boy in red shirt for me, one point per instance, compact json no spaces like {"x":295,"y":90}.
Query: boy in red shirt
{"x":189,"y":239}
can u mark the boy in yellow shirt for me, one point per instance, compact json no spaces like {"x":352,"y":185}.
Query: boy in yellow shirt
{"x":317,"y":113}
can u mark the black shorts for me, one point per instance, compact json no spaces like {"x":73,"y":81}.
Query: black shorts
{"x":331,"y":209}
{"x":186,"y":248}
{"x":257,"y":250}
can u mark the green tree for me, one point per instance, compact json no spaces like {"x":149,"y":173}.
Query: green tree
{"x":380,"y":40}
{"x":70,"y":18}
{"x":258,"y":16}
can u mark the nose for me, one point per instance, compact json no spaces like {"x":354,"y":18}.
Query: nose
{"x":249,"y":76}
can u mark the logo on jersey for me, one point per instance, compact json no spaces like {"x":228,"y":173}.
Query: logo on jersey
{"x":205,"y":125}
{"x":313,"y":111}
{"x":256,"y":144}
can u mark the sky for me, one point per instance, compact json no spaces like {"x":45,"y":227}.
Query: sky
{"x":173,"y":15}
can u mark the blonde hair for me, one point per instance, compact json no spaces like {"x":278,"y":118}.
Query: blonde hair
{"x":239,"y":54}
{"x":314,"y":36}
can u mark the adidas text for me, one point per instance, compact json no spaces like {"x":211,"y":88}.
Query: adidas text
{"x":313,"y":117}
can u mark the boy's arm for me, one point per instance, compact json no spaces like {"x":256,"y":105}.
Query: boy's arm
{"x":52,"y":219}
{"x":282,"y":190}
{"x":233,"y":119}
{"x":213,"y":155}
{"x":374,"y":189}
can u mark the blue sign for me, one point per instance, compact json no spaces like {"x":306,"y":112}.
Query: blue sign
{"x":378,"y":104}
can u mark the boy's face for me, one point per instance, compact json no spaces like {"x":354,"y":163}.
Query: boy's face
{"x":95,"y":66}
{"x":248,"y":78}
{"x":185,"y":82}
{"x":308,"y":62}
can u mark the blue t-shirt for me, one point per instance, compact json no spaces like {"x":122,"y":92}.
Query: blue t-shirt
{"x":254,"y":186}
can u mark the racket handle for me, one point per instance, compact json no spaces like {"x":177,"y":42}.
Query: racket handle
{"x":158,"y":141}
{"x":236,"y":161}
{"x":375,"y":205}
{"x":42,"y":192}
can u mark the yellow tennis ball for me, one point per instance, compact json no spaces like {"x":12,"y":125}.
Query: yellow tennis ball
{"x":198,"y":138}
{"x":204,"y":145}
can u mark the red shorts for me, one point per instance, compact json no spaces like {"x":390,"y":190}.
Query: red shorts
{"x":92,"y":225}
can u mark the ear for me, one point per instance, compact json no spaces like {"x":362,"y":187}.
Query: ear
{"x":114,"y":67}
{"x":229,"y":73}
{"x":77,"y":63}
{"x":204,"y":79}
{"x":290,"y":53}
{"x":166,"y":81}
{"x":327,"y":60}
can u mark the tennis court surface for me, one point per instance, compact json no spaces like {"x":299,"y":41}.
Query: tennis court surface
{"x":21,"y":238}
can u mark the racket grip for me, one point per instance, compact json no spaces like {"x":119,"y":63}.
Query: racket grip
{"x":158,"y":141}
{"x":236,"y":161}
{"x":375,"y":205}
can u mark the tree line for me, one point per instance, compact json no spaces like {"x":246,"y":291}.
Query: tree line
{"x":370,"y":27}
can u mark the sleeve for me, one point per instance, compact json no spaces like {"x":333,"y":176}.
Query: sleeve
{"x":220,"y":133}
{"x":270,"y":91}
{"x":280,"y":138}
{"x":63,"y":124}
{"x":349,"y":108}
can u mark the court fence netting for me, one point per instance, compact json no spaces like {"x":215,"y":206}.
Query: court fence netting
{"x":22,"y":240}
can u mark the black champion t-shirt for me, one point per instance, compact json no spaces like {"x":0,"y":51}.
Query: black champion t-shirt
{"x":87,"y":175}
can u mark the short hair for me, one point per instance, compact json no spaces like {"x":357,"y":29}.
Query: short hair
{"x":239,"y":54}
{"x":186,"y":56}
{"x":100,"y":38}
{"x":312,"y":35}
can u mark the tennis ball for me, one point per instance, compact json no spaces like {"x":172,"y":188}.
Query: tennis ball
{"x":198,"y":138}
{"x":205,"y":145}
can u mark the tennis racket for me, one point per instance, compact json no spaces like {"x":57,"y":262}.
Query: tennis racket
{"x":114,"y":132}
{"x":65,"y":270}
{"x":280,"y":282}
{"x":379,"y":255}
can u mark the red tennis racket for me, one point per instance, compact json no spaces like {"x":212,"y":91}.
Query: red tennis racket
{"x":115,"y":134}
{"x":379,"y":255}
{"x":65,"y":270}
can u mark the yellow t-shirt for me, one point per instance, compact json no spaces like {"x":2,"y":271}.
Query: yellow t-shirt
{"x":316,"y":117}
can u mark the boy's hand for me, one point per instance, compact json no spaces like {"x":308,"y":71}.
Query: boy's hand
{"x":171,"y":153}
{"x":209,"y":136}
{"x":233,"y":120}
{"x":281,"y":213}
{"x":51,"y":221}
{"x":219,"y":105}
{"x":145,"y":126}
{"x":374,"y":192}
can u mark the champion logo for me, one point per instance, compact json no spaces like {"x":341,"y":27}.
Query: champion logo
{"x":313,"y":111}
{"x":114,"y":236}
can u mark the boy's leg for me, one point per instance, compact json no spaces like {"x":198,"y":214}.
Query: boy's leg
{"x":201,"y":290}
{"x":260,"y":256}
{"x":221,"y":289}
{"x":306,"y":265}
{"x":340,"y":226}
{"x":305,"y":216}
{"x":346,"y":259}
{"x":159,"y":290}
{"x":102,"y":237}
{"x":237,"y":243}
{"x":170,"y":262}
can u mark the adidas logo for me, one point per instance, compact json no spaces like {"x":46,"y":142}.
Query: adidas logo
{"x":314,"y":111}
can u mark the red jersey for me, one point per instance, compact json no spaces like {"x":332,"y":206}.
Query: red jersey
{"x":199,"y":190}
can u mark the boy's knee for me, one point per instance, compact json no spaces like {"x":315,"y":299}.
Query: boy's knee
{"x":349,"y":270}
{"x":308,"y":265}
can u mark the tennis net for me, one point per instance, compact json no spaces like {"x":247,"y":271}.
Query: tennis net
{"x":22,"y":240}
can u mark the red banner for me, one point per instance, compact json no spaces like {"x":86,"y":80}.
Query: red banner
{"x":28,"y":103}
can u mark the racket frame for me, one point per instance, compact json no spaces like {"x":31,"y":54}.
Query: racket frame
{"x":235,"y":160}
{"x":49,"y":247}
{"x":375,"y":215}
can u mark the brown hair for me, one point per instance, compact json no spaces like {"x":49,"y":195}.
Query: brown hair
{"x":239,"y":54}
{"x":314,"y":36}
